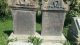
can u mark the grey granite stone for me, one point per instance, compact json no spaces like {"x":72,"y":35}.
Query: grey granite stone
{"x":52,"y":23}
{"x":24,"y":22}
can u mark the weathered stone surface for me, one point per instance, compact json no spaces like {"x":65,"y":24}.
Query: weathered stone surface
{"x":54,"y":39}
{"x":24,"y":22}
{"x":13,"y":37}
{"x":52,"y":23}
{"x":19,"y":43}
{"x":23,"y":3}
{"x":52,"y":5}
{"x":49,"y":43}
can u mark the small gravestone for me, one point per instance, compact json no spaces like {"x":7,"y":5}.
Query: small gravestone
{"x":24,"y":18}
{"x":53,"y":17}
{"x":75,"y":30}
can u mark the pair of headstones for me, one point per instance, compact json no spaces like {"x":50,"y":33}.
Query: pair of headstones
{"x":53,"y":16}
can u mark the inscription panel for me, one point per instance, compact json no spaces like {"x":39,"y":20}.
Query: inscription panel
{"x":52,"y":5}
{"x":24,"y":22}
{"x":52,"y":23}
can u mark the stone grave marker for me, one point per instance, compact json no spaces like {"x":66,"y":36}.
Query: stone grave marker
{"x":53,"y":17}
{"x":24,"y":18}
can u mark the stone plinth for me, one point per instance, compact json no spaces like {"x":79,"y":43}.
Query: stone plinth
{"x":49,"y":43}
{"x":19,"y":43}
{"x":54,"y":39}
{"x":22,"y":37}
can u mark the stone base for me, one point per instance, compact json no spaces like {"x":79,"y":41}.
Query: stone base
{"x":48,"y":43}
{"x":54,"y":39}
{"x":27,"y":43}
{"x":21,"y":37}
{"x":19,"y":43}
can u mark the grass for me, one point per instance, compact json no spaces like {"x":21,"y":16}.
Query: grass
{"x":5,"y":27}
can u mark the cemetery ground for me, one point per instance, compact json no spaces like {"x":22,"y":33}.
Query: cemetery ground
{"x":6,"y":29}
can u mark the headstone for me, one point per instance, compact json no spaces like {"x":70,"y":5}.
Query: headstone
{"x":75,"y":30}
{"x":53,"y":17}
{"x":24,"y":17}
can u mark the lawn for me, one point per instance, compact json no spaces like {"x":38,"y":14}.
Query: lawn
{"x":5,"y":27}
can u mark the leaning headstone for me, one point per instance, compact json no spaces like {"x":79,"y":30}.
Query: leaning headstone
{"x":53,"y":17}
{"x":75,"y":30}
{"x":24,"y":17}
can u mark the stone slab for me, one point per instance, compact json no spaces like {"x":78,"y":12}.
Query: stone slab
{"x":49,"y":43}
{"x":52,"y":5}
{"x":24,"y":22}
{"x":22,"y":37}
{"x":54,"y":39}
{"x":52,"y":23}
{"x":19,"y":43}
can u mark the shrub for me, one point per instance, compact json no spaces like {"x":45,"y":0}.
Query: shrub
{"x":35,"y":40}
{"x":73,"y":12}
{"x":4,"y":9}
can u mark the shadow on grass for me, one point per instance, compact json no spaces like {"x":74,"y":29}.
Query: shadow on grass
{"x":8,"y":32}
{"x":38,"y":32}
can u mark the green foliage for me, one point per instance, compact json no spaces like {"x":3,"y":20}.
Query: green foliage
{"x":35,"y":40}
{"x":4,"y":9}
{"x":5,"y":30}
{"x":73,"y":12}
{"x":67,"y":43}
